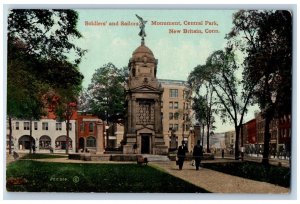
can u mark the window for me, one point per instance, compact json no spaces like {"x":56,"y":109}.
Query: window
{"x":170,"y":105}
{"x":170,"y":116}
{"x":61,"y":142}
{"x":26,"y":126}
{"x":58,"y":126}
{"x":170,"y":126}
{"x":91,"y":142}
{"x":91,"y":127}
{"x":17,"y":125}
{"x":185,"y":94}
{"x":187,"y":128}
{"x":70,"y":126}
{"x":45,"y":142}
{"x":176,"y":115}
{"x":35,"y":126}
{"x":173,"y":93}
{"x":45,"y":126}
{"x":175,"y":105}
{"x":186,"y":117}
{"x":81,"y":127}
{"x":176,"y":127}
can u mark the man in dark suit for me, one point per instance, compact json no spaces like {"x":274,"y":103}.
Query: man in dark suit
{"x":197,"y":154}
{"x":181,"y":154}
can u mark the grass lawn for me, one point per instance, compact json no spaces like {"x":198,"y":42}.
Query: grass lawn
{"x":43,"y":156}
{"x":34,"y":176}
{"x":256,"y":171}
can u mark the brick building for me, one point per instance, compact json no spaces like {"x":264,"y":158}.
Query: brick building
{"x":88,"y":131}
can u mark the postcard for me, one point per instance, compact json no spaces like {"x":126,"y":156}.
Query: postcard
{"x":149,"y":101}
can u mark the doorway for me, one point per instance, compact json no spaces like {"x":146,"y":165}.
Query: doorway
{"x":145,"y":146}
{"x":26,"y":142}
{"x":81,"y":143}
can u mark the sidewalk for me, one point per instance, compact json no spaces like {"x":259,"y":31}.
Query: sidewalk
{"x":218,"y":182}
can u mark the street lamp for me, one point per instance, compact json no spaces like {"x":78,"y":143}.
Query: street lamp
{"x":202,"y":138}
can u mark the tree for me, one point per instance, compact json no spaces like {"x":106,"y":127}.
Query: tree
{"x":233,"y":94}
{"x":65,"y":111}
{"x":39,"y":48}
{"x":104,"y":95}
{"x":202,"y":105}
{"x":46,"y":33}
{"x":22,"y":102}
{"x":204,"y":101}
{"x":220,"y":72}
{"x":266,"y":38}
{"x":62,"y":99}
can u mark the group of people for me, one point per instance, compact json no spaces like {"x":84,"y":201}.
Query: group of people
{"x":197,"y":154}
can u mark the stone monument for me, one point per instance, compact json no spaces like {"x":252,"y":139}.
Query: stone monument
{"x":143,"y":121}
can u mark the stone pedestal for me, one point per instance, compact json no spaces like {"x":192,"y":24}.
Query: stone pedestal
{"x":197,"y":133}
{"x":131,"y":139}
{"x":128,"y":149}
{"x":100,"y":138}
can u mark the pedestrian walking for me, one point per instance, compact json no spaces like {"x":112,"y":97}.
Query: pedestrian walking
{"x":33,"y":149}
{"x":197,"y":154}
{"x":181,"y":154}
{"x":222,"y":153}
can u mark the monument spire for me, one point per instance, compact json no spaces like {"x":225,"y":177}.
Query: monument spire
{"x":142,"y":32}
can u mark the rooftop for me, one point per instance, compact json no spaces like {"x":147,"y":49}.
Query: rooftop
{"x":172,"y":82}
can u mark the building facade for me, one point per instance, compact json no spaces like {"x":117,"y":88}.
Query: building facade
{"x":280,"y":135}
{"x":177,"y":113}
{"x":90,"y":129}
{"x":86,"y":133}
{"x":45,"y":134}
{"x":280,"y":138}
{"x":229,"y":138}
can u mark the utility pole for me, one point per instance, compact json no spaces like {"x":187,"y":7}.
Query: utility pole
{"x":242,"y":142}
{"x":10,"y":134}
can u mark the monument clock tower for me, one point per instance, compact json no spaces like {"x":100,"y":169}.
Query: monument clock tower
{"x":143,"y":124}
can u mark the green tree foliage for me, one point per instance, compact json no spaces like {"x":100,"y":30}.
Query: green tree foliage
{"x":266,"y":39}
{"x":233,"y":98}
{"x":46,"y":33}
{"x":231,"y":101}
{"x":202,"y":105}
{"x":204,"y":102}
{"x":38,"y":61}
{"x":105,"y":93}
{"x":38,"y":44}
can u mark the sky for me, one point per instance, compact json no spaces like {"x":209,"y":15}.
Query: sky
{"x":177,"y":53}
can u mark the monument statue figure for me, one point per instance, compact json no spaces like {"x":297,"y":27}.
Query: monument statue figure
{"x":142,"y":33}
